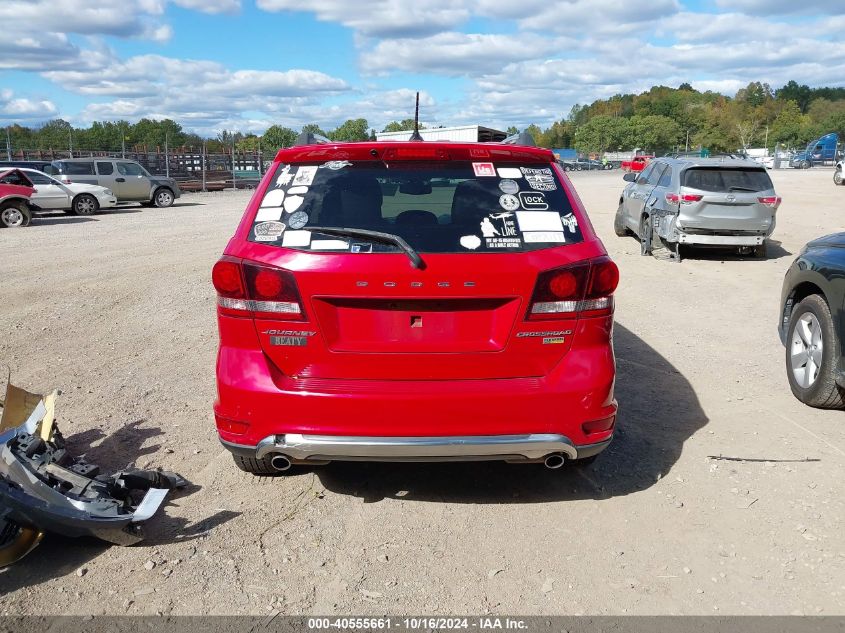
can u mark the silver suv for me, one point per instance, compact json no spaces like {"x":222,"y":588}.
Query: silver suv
{"x":129,"y":181}
{"x":708,"y":202}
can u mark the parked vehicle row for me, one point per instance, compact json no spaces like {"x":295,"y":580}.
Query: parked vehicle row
{"x":584,"y":164}
{"x":127,"y":179}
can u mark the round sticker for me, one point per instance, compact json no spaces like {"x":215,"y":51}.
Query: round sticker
{"x":508,"y":186}
{"x":298,"y":220}
{"x":509,"y":202}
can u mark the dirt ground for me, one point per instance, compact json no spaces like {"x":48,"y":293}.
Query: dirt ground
{"x":720,"y":494}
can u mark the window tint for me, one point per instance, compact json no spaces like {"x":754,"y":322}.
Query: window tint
{"x":104,"y":168}
{"x":78,"y":169}
{"x":666,"y":178}
{"x":437,"y":207}
{"x":654,"y":176}
{"x":721,"y":179}
{"x":130,"y":169}
{"x":39,"y":179}
{"x":15,"y":178}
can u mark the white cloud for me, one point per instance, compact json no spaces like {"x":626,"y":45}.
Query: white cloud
{"x":210,"y":6}
{"x":783,"y":7}
{"x":23,"y":110}
{"x":382,"y":18}
{"x":453,"y":54}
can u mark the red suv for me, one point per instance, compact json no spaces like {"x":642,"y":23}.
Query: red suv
{"x":414,"y":301}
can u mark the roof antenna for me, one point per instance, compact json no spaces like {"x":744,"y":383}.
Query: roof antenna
{"x":416,"y":135}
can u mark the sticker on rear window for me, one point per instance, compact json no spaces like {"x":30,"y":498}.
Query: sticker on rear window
{"x":336,"y":164}
{"x":298,"y":220}
{"x":268,"y":214}
{"x":535,"y":237}
{"x":471,"y":242}
{"x":508,"y":186}
{"x":570,"y":222}
{"x":329,"y":245}
{"x":539,"y":179}
{"x":298,"y":191}
{"x":508,"y":202}
{"x":296,"y":238}
{"x":484,"y":169}
{"x":305,"y":176}
{"x":285,"y":176}
{"x":292,"y":203}
{"x":498,"y":225}
{"x":538,"y":221}
{"x":533,"y":201}
{"x":274,"y":198}
{"x":268,"y":231}
{"x":509,"y":172}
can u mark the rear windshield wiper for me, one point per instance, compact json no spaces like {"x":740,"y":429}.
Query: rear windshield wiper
{"x":738,"y":188}
{"x":372,"y":236}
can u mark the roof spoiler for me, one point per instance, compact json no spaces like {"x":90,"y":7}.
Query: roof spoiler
{"x":520,"y":138}
{"x":309,"y":138}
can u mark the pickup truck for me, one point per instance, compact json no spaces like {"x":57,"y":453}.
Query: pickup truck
{"x":637,"y":163}
{"x":15,"y":192}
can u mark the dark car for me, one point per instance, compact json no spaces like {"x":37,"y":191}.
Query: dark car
{"x":811,"y":323}
{"x":41,"y":165}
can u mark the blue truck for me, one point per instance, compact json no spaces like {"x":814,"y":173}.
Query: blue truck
{"x":818,"y":152}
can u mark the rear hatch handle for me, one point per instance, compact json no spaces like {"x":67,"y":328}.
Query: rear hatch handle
{"x":373,"y":236}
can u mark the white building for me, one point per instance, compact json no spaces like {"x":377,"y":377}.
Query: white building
{"x":462,"y":133}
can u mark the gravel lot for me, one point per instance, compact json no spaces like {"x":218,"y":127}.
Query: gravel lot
{"x":721,"y":493}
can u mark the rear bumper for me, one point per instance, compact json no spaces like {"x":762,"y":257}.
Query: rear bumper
{"x":325,"y":448}
{"x":721,"y":240}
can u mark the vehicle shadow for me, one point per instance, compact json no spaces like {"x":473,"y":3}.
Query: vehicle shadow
{"x":658,"y":412}
{"x":49,"y":220}
{"x":58,"y":556}
{"x":774,"y":250}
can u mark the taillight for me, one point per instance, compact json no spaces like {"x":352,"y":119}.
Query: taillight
{"x":674,"y":198}
{"x":246,"y":289}
{"x":772,"y":202}
{"x":584,"y":289}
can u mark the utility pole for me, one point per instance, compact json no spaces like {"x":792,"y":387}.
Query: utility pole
{"x":122,"y":141}
{"x":259,"y":157}
{"x":70,"y":142}
{"x":166,"y":156}
{"x":8,"y":144}
{"x":203,"y":166}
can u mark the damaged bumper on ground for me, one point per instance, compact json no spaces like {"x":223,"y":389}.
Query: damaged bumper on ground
{"x":44,"y":489}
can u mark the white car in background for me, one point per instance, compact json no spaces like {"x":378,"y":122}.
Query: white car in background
{"x":77,"y":198}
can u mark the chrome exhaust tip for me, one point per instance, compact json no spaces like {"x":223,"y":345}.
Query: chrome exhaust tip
{"x":280,"y":462}
{"x":554,"y":461}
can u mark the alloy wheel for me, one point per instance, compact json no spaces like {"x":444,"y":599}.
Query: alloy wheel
{"x":12,"y":216}
{"x":807,"y":350}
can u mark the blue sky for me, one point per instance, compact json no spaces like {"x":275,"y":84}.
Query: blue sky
{"x":247,"y":64}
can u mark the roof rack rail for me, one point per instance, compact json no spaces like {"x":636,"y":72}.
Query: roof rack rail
{"x":520,"y":138}
{"x":698,"y":155}
{"x":309,"y":138}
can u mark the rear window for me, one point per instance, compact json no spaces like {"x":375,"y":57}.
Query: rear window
{"x":721,"y":179}
{"x":77,"y":169}
{"x":437,"y":207}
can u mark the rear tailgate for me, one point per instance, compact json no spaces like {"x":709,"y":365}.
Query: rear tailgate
{"x":729,"y":198}
{"x":437,"y":324}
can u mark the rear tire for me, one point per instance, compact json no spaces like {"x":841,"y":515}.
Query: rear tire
{"x":618,"y":226}
{"x":837,"y":177}
{"x":645,"y":235}
{"x":812,"y":347}
{"x":85,"y":204}
{"x":15,"y":214}
{"x":261,"y":466}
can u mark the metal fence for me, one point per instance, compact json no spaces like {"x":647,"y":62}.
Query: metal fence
{"x":194,"y":170}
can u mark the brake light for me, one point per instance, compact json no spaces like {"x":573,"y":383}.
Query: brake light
{"x":772,"y":202}
{"x":598,"y":426}
{"x":674,"y":198}
{"x":252,"y":290}
{"x":584,"y":289}
{"x":415,"y":153}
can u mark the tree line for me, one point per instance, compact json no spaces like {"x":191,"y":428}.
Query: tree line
{"x":660,"y":119}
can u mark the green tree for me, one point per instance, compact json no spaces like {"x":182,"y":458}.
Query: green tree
{"x":401,"y":126}
{"x":313,"y":128}
{"x":276,"y":137}
{"x":351,"y":130}
{"x":788,"y":125}
{"x":801,"y":95}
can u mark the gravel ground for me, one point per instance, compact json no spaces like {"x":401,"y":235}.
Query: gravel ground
{"x":118,"y":312}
